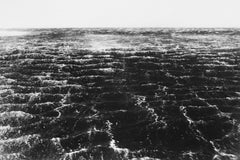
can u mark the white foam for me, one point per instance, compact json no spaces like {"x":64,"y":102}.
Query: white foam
{"x":16,"y":114}
{"x":107,"y":70}
{"x":70,"y":155}
{"x":4,"y":129}
{"x":11,"y":156}
{"x":118,"y":150}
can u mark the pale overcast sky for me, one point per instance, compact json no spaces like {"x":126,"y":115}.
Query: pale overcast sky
{"x":119,"y":13}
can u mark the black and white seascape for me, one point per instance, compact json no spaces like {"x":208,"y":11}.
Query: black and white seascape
{"x":113,"y":94}
{"x":119,"y":80}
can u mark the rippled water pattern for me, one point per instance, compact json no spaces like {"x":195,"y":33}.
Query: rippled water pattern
{"x":113,"y":94}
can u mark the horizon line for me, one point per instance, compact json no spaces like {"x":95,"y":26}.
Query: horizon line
{"x":137,"y":27}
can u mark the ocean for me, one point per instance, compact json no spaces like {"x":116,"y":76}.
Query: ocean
{"x":119,"y":94}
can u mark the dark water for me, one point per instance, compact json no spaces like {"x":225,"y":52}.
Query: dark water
{"x":170,"y":94}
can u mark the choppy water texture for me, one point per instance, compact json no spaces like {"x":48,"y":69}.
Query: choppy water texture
{"x":169,"y":94}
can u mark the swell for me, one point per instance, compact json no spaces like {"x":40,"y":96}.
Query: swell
{"x":78,"y":104}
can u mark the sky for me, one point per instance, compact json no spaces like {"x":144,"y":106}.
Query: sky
{"x":119,"y":13}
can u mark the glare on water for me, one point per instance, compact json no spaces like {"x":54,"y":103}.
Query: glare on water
{"x":4,"y":33}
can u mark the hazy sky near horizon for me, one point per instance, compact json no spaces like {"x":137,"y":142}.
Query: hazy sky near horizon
{"x":119,"y":13}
